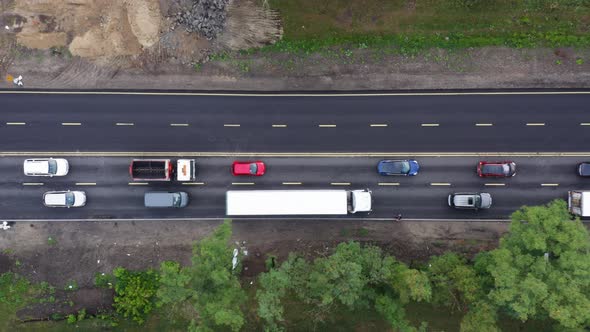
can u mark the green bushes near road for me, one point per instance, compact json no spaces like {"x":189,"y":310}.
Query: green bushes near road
{"x":135,"y":293}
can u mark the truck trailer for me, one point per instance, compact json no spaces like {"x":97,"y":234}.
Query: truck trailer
{"x":578,"y":202}
{"x":162,"y":170}
{"x":297,"y":202}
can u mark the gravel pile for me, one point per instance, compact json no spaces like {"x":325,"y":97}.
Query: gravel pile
{"x":206,"y":17}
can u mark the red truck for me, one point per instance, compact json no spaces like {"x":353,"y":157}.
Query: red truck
{"x":162,"y":170}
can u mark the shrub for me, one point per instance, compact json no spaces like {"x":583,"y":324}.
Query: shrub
{"x":134,"y":293}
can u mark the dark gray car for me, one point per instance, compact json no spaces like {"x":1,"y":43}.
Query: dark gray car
{"x":160,"y":199}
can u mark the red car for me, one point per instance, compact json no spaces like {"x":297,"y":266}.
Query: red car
{"x":253,"y":168}
{"x":496,"y":169}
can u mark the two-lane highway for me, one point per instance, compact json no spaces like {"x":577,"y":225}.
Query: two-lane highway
{"x":112,"y":193}
{"x":287,"y":124}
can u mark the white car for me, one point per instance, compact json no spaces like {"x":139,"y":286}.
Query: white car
{"x":65,"y":199}
{"x":46,"y":167}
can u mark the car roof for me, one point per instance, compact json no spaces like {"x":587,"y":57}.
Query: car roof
{"x":585,"y":168}
{"x":495,"y":168}
{"x":37,"y":166}
{"x":55,"y":198}
{"x":243,"y":166}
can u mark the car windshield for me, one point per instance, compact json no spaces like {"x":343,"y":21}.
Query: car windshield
{"x":253,"y":168}
{"x":69,"y":199}
{"x":176,"y":199}
{"x":52,"y":166}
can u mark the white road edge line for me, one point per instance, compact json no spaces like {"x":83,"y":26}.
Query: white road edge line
{"x":32,"y":183}
{"x":16,"y":123}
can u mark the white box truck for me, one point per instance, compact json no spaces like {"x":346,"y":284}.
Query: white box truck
{"x":297,"y":202}
{"x":578,"y":202}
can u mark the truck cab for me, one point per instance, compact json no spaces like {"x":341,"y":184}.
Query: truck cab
{"x":360,"y":201}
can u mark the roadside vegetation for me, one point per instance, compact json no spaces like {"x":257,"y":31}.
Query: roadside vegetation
{"x":409,"y":26}
{"x":536,"y":280}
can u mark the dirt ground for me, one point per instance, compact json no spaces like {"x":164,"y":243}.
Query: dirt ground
{"x":64,"y":252}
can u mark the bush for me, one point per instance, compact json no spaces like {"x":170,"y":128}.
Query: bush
{"x":71,"y":319}
{"x":134,"y":293}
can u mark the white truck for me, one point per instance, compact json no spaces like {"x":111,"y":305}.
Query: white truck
{"x":578,"y":202}
{"x":297,"y":202}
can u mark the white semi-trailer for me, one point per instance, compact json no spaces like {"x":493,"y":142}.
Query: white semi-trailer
{"x":297,"y":202}
{"x":578,"y":202}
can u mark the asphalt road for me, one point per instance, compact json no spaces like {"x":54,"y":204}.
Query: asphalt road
{"x":464,"y":123}
{"x":106,"y":181}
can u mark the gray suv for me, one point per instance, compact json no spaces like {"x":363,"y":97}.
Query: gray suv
{"x":473,"y":201}
{"x":159,"y":199}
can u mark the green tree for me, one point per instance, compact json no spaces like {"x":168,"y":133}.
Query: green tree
{"x":209,"y":284}
{"x":455,"y":284}
{"x":135,"y":293}
{"x":542,"y":267}
{"x":481,"y":318}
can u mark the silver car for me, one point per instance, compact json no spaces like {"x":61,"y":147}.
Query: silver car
{"x":65,"y":199}
{"x":473,"y":201}
{"x":46,"y":167}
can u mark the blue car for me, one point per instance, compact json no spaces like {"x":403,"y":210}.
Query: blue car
{"x":398,"y":167}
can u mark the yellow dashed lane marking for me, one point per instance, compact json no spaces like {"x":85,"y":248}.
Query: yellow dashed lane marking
{"x":16,"y":123}
{"x":138,"y":183}
{"x":32,"y":183}
{"x":125,"y":124}
{"x":535,"y":124}
{"x":388,"y":184}
{"x":193,"y":183}
{"x":430,"y":125}
{"x":379,"y":125}
{"x":86,"y":183}
{"x":549,"y":184}
{"x":279,"y":126}
{"x":179,"y":125}
{"x":291,"y":183}
{"x":340,"y":183}
{"x":243,"y":183}
{"x":585,"y":124}
{"x":231,"y":125}
{"x":71,"y":123}
{"x":495,"y":184}
{"x":327,"y":126}
{"x":440,"y":184}
{"x":484,"y":124}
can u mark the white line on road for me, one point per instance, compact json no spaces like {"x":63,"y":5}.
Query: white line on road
{"x":32,"y":183}
{"x":16,"y":123}
{"x":484,"y":124}
{"x":549,"y":184}
{"x":138,"y":183}
{"x":585,"y":124}
{"x":193,"y":183}
{"x":379,"y":125}
{"x":125,"y":124}
{"x":388,"y":183}
{"x":71,"y":123}
{"x":279,"y":126}
{"x":440,"y":184}
{"x":179,"y":125}
{"x":86,"y":183}
{"x":535,"y":124}
{"x":242,"y":183}
{"x":291,"y":183}
{"x":495,"y":184}
{"x":340,"y":183}
{"x":231,"y":125}
{"x":327,"y":126}
{"x":430,"y":125}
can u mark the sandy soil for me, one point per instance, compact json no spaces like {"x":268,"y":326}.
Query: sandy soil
{"x":79,"y":250}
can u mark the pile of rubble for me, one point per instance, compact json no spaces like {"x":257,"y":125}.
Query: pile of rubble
{"x":206,"y":17}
